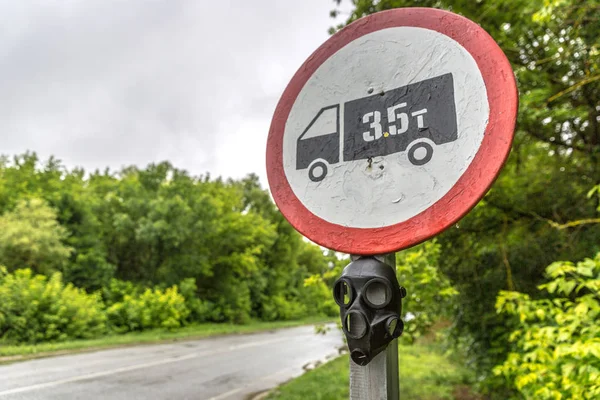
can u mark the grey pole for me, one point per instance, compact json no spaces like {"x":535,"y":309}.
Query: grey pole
{"x":379,"y":379}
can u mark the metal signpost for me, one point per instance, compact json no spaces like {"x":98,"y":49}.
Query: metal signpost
{"x":388,"y":134}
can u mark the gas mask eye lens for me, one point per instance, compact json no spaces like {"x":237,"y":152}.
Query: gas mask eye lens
{"x":355,"y":325}
{"x":378,"y":293}
{"x":392,"y":326}
{"x":395,"y":327}
{"x":342,"y":293}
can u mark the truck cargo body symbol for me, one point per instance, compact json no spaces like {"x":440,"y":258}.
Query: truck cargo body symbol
{"x":379,"y":125}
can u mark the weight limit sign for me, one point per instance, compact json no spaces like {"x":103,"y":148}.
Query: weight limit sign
{"x":391,"y":131}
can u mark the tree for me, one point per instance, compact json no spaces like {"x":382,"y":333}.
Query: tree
{"x":30,"y":237}
{"x":66,"y":192}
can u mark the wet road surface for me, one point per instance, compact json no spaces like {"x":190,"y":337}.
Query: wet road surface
{"x":221,"y":368}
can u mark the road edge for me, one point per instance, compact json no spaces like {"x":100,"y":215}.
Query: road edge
{"x":5,"y":360}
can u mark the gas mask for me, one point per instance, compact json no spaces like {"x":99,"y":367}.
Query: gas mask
{"x":370,"y":301}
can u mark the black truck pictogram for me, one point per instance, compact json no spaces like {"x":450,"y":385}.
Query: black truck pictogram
{"x":409,"y":117}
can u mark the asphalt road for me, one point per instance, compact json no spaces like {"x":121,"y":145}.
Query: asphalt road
{"x":222,"y":368}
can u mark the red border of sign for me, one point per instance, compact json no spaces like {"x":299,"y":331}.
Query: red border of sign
{"x":472,"y":185}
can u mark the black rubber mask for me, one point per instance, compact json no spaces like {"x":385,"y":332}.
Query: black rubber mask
{"x":370,"y":301}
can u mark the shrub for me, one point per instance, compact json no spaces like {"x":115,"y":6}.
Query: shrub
{"x":556,"y":348}
{"x":35,"y":309}
{"x":154,"y":308}
{"x":89,"y":270}
{"x":279,"y":308}
{"x":200,"y":311}
{"x":318,"y":297}
{"x":233,"y":304}
{"x":116,"y":291}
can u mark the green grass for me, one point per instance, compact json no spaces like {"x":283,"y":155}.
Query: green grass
{"x":327,"y":382}
{"x":19,"y":352}
{"x":425,"y":374}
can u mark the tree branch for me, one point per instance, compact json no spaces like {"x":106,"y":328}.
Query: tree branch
{"x":574,"y":87}
{"x":571,"y":224}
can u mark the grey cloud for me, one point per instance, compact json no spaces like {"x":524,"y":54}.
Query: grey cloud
{"x":109,"y":83}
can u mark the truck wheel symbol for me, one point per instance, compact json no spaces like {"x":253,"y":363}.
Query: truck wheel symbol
{"x":420,"y":157}
{"x":317,"y":171}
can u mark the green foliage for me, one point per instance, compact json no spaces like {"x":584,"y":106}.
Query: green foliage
{"x":89,"y":269}
{"x":317,"y":293}
{"x":555,"y":350}
{"x":280,"y":308}
{"x":430,"y":296}
{"x":158,"y":226}
{"x":318,"y":297}
{"x":30,"y":236}
{"x":154,"y":308}
{"x":225,"y":244}
{"x":200,"y":311}
{"x":36,"y":309}
{"x":117,"y":289}
{"x":310,"y":294}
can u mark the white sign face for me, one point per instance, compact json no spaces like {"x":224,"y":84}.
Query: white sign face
{"x":385,"y":127}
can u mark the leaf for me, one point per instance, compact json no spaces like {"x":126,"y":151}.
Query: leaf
{"x":550,"y":287}
{"x":540,"y":314}
{"x":566,"y":287}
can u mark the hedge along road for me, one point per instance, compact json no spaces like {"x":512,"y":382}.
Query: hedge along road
{"x":222,"y":368}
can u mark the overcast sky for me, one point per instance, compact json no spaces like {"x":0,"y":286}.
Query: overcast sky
{"x":100,"y":83}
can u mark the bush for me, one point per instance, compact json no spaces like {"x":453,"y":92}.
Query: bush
{"x":200,"y":311}
{"x":116,"y":291}
{"x":89,"y":270}
{"x":35,"y":309}
{"x":556,"y":348}
{"x":278,"y":308}
{"x":318,"y":297}
{"x":154,"y":308}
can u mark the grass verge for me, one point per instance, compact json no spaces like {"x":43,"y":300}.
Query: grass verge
{"x":9,"y":353}
{"x":425,"y":374}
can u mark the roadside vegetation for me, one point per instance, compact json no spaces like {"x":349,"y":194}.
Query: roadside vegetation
{"x":91,"y":256}
{"x":425,"y":374}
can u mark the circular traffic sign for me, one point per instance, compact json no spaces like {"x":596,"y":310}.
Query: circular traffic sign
{"x":391,"y":131}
